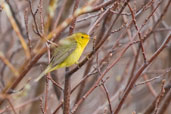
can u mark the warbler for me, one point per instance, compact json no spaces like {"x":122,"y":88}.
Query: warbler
{"x":67,"y":52}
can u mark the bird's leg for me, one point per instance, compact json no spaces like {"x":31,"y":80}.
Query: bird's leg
{"x":88,"y":58}
{"x":77,"y":63}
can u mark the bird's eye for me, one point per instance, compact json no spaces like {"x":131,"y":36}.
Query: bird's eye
{"x":82,"y":37}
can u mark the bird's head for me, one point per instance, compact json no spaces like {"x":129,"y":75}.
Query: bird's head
{"x":82,"y":38}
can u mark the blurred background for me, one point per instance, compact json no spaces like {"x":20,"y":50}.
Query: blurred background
{"x":126,"y":67}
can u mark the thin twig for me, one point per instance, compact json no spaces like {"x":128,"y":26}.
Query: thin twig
{"x":34,"y":18}
{"x":150,"y":87}
{"x":159,"y":97}
{"x":108,"y":98}
{"x":165,"y":104}
{"x":60,"y":13}
{"x":139,"y":34}
{"x":151,"y":107}
{"x":138,"y":74}
{"x":10,"y":103}
{"x":152,"y":79}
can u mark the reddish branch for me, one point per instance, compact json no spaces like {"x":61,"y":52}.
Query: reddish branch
{"x":28,"y":64}
{"x":138,"y":74}
{"x":105,"y":22}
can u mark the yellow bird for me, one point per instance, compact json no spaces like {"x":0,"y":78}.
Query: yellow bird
{"x":67,"y":53}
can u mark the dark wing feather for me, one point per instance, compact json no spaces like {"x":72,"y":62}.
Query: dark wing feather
{"x":62,"y":52}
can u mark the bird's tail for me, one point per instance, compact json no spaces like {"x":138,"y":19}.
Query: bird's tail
{"x":43,"y":73}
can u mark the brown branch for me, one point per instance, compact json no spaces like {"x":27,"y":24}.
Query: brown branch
{"x":67,"y":87}
{"x":152,"y":79}
{"x":21,"y":105}
{"x":154,"y":56}
{"x":139,"y":34}
{"x":133,"y":67}
{"x":160,"y":18}
{"x":27,"y":29}
{"x":100,"y":43}
{"x":12,"y":107}
{"x":72,"y":27}
{"x":41,"y":105}
{"x":161,"y":94}
{"x":28,"y":64}
{"x":67,"y":93}
{"x":7,"y":62}
{"x":118,"y":45}
{"x":83,"y":81}
{"x":14,"y":15}
{"x":108,"y":98}
{"x":101,"y":76}
{"x":138,"y":74}
{"x":60,"y":14}
{"x":150,"y":87}
{"x":41,"y":16}
{"x":151,"y":107}
{"x":34,"y":18}
{"x":46,"y":96}
{"x":16,"y":29}
{"x":165,"y":104}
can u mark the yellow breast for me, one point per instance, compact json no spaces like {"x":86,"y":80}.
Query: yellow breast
{"x":73,"y":58}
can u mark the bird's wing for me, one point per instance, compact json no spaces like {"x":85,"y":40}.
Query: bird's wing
{"x":60,"y":53}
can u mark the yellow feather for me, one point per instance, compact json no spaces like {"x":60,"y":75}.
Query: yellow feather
{"x":68,"y":53}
